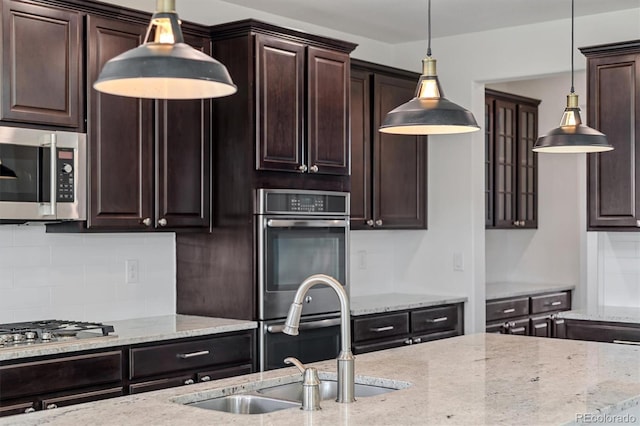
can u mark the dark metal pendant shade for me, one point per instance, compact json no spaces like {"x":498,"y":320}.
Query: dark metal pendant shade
{"x":166,"y":68}
{"x":6,"y":172}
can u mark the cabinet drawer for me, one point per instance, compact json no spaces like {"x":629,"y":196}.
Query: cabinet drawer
{"x":162,"y":359}
{"x":550,"y":302}
{"x":169,"y":382}
{"x":602,"y":332}
{"x":434,"y":319}
{"x":61,"y":374}
{"x":361,"y":348}
{"x":79,"y":398}
{"x":500,"y":309}
{"x":380,"y":326}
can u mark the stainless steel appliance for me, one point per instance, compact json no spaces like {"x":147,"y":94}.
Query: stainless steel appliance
{"x":300,"y":233}
{"x":46,"y":331}
{"x":50,"y":175}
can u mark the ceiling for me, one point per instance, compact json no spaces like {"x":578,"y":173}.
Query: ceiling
{"x":398,"y":21}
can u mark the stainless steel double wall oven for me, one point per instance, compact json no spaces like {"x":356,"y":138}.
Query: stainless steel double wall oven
{"x":300,"y":233}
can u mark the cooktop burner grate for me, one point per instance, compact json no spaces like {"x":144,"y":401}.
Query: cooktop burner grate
{"x":46,"y":331}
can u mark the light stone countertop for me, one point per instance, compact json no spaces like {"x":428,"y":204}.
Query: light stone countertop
{"x":605,"y":313}
{"x":374,"y":304}
{"x":477,"y":379}
{"x":500,"y":290}
{"x":129,"y":332}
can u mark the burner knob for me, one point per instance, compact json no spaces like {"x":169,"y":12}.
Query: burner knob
{"x":46,"y":335}
{"x":17,"y":337}
{"x":30,"y":335}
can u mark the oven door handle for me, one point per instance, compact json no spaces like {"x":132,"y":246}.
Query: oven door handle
{"x":316,"y":223}
{"x":311,"y":325}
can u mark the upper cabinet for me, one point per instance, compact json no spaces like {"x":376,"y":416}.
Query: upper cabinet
{"x":149,"y":161}
{"x":613,"y":106}
{"x":388,"y":172}
{"x":42,"y":60}
{"x":511,"y":172}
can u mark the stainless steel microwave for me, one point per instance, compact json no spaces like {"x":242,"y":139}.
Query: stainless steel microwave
{"x":43,"y":175}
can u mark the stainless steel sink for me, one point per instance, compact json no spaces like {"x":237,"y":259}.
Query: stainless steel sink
{"x":245,"y":404}
{"x":328,"y":390}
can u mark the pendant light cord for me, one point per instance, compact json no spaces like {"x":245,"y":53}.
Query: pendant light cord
{"x":572,"y":18}
{"x":429,"y":28}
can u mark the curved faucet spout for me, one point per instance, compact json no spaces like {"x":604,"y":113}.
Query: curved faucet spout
{"x":346,"y":370}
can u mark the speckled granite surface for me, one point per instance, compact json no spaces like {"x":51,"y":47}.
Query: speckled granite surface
{"x":500,"y":290}
{"x":478,"y":379}
{"x":374,"y":304}
{"x":605,"y":313}
{"x":134,"y":331}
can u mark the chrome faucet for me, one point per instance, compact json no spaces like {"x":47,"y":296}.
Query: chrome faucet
{"x":310,"y":385}
{"x":346,"y":364}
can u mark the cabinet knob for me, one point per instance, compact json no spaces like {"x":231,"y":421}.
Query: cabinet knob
{"x":516,"y":223}
{"x":302,"y":168}
{"x":189,"y":382}
{"x":162,"y":222}
{"x":370,"y":222}
{"x":638,"y":223}
{"x":205,"y":378}
{"x":146,"y":221}
{"x":408,"y":342}
{"x":313,"y":169}
{"x":51,"y":406}
{"x":522,"y":223}
{"x":417,"y":340}
{"x":379,"y":222}
{"x":30,"y":410}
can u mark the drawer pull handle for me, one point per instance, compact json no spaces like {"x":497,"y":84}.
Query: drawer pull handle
{"x":381,"y":329}
{"x":627,"y":342}
{"x":436,"y":320}
{"x":205,"y":378}
{"x":556,"y":303}
{"x":193,"y":354}
{"x":509,"y":311}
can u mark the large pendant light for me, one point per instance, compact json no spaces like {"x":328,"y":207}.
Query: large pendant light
{"x":572,"y":136}
{"x":6,"y":172}
{"x":166,"y":67}
{"x":429,"y":112}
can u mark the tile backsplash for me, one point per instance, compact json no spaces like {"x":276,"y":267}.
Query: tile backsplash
{"x":85,"y":276}
{"x":619,"y":261}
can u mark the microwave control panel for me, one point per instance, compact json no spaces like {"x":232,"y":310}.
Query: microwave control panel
{"x":65,"y":179}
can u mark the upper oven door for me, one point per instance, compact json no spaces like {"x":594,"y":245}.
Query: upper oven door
{"x":290,"y":250}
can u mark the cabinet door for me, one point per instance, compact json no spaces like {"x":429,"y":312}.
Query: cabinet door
{"x":527,"y":188}
{"x":399,"y":162}
{"x":41,"y":65}
{"x":280,"y":104}
{"x":519,"y":327}
{"x":328,"y":111}
{"x":120,"y":136}
{"x":360,"y":149}
{"x":613,"y":194}
{"x":541,"y":326}
{"x":489,"y":188}
{"x":505,"y":163}
{"x":183,"y":166}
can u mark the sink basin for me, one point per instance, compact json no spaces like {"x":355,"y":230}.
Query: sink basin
{"x":328,"y":390}
{"x":245,"y":404}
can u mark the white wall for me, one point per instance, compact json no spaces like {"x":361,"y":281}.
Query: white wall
{"x":619,"y":268}
{"x":82,"y":277}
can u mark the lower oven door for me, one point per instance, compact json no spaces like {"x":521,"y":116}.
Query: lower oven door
{"x":319,"y":339}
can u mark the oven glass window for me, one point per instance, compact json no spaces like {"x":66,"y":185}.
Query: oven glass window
{"x":296,"y":253}
{"x":31,"y":166}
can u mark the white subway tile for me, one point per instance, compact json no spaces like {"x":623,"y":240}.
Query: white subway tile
{"x":33,"y":314}
{"x":25,"y":256}
{"x":6,"y":277}
{"x":6,"y":235}
{"x":70,"y":295}
{"x":24,"y":298}
{"x":82,"y":255}
{"x":29,"y":235}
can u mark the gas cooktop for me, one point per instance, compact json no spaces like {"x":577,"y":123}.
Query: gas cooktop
{"x":47,"y":331}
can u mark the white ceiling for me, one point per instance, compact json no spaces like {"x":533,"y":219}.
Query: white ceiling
{"x":397,"y":21}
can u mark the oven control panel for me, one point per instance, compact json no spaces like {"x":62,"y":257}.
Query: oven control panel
{"x":65,"y":180}
{"x":302,"y":202}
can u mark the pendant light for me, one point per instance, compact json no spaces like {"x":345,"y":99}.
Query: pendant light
{"x":6,"y":172}
{"x":429,"y":112}
{"x":165,"y":67}
{"x":572,"y":136}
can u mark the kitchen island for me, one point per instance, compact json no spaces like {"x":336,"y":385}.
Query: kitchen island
{"x":473,"y":379}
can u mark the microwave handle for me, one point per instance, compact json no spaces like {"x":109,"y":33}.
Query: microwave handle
{"x":316,"y":223}
{"x":50,"y":209}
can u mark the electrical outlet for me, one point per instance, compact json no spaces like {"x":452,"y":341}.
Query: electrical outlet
{"x":132,"y":268}
{"x":458,"y":261}
{"x":362,"y":259}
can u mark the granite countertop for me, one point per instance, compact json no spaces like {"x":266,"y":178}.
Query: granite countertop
{"x":473,"y":379}
{"x":374,"y":304}
{"x":139,"y":330}
{"x":605,"y":313}
{"x":500,"y":290}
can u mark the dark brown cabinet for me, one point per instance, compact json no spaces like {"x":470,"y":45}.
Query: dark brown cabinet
{"x":42,"y":70}
{"x":530,"y":315}
{"x":388,"y":172}
{"x":613,"y":106}
{"x":303,"y":109}
{"x":603,"y":331}
{"x":511,"y":173}
{"x":149,"y":161}
{"x":393,"y":329}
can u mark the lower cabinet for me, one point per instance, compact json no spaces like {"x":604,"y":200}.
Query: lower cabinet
{"x":389,"y":330}
{"x":603,"y":331}
{"x":531,"y":315}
